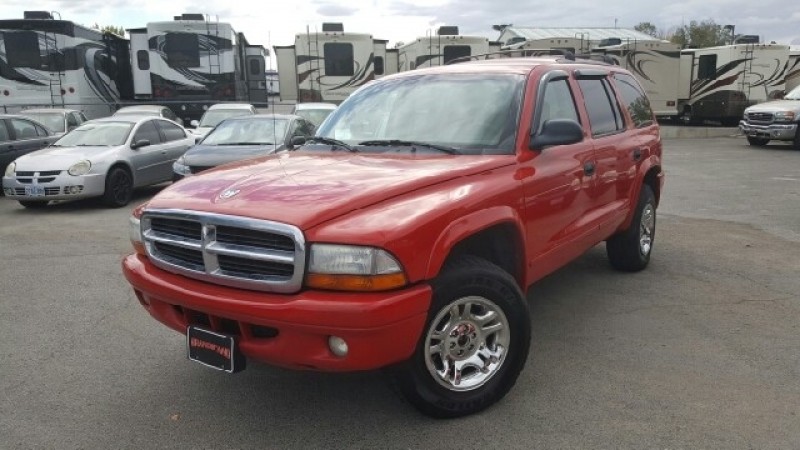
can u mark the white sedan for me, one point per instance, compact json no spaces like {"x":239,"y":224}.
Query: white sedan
{"x":105,"y":158}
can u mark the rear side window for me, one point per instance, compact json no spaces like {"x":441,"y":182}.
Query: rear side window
{"x":635,"y":100}
{"x":3,"y":132}
{"x":149,"y":132}
{"x":24,"y":129}
{"x":71,"y":120}
{"x":338,"y":59}
{"x":41,"y":131}
{"x":558,"y":103}
{"x":604,"y":114}
{"x":707,"y":67}
{"x":171,"y":131}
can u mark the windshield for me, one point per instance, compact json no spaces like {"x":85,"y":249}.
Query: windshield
{"x":104,"y":134}
{"x":212,"y":118}
{"x":474,"y":113}
{"x":315,"y":116}
{"x":257,"y":131}
{"x":794,"y":94}
{"x":53,"y":121}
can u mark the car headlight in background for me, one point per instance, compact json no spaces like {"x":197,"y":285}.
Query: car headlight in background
{"x":180,"y":167}
{"x":10,"y":169}
{"x":80,"y":168}
{"x":353,"y":268}
{"x":784,"y":116}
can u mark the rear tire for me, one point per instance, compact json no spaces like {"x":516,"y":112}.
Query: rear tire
{"x":119,"y":188}
{"x":630,"y":250}
{"x":474,"y":344}
{"x":33,"y":204}
{"x":757,"y":142}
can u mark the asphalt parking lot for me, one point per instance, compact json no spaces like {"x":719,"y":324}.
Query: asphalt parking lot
{"x":701,"y":350}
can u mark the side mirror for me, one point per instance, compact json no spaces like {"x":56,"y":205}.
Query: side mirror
{"x":194,"y":124}
{"x":139,"y":144}
{"x":556,"y":132}
{"x":297,"y":141}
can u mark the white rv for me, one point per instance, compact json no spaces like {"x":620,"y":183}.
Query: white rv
{"x":328,"y":66}
{"x":437,"y":50}
{"x":58,"y":63}
{"x":718,"y":83}
{"x":191,"y":62}
{"x":656,"y":65}
{"x":575,"y":45}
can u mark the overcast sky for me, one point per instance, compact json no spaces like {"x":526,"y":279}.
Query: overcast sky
{"x":276,"y":22}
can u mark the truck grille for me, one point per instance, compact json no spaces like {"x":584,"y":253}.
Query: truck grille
{"x":227,"y":250}
{"x":760,"y":117}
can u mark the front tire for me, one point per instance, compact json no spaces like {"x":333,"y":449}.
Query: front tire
{"x":757,"y":142}
{"x":119,"y":188}
{"x":474,"y":345}
{"x":630,"y":250}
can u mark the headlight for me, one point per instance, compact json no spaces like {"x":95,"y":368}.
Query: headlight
{"x":135,"y":233}
{"x":80,"y":168}
{"x":11,"y":169}
{"x":784,"y":116}
{"x":353,"y":268}
{"x":180,"y":167}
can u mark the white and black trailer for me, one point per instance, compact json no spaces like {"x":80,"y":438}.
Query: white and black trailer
{"x":439,"y":49}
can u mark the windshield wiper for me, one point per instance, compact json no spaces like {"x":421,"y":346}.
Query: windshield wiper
{"x":401,"y":143}
{"x":332,"y":142}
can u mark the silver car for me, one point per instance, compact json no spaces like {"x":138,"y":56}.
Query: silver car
{"x":105,"y":158}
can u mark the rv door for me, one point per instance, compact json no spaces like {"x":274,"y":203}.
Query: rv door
{"x":140,"y":62}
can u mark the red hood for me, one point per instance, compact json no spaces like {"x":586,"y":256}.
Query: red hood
{"x":306,"y":189}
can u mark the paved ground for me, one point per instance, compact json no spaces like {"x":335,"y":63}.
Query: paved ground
{"x":702,"y":350}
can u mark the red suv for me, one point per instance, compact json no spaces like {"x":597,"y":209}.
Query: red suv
{"x":406,"y":233}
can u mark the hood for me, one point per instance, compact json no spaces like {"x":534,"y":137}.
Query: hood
{"x":59,"y":158}
{"x":215,"y":155}
{"x":776,"y":105}
{"x":306,"y":189}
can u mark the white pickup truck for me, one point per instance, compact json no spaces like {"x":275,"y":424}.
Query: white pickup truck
{"x":778,"y":120}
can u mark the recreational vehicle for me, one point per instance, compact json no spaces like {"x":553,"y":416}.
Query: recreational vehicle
{"x":327,"y":66}
{"x":718,"y":83}
{"x":191,"y":62}
{"x":56,"y":63}
{"x":440,"y":49}
{"x":656,"y":65}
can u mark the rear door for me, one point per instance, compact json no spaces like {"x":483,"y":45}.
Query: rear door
{"x":176,"y":142}
{"x":149,"y":162}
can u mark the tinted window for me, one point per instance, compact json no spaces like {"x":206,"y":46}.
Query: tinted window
{"x":166,"y":112}
{"x":143,"y":60}
{"x":71,"y":120}
{"x":558,"y":103}
{"x":452,"y":52}
{"x":182,"y":49}
{"x":3,"y":132}
{"x":635,"y":100}
{"x":147,"y":131}
{"x":338,"y":59}
{"x":171,"y":131}
{"x":379,"y":65}
{"x":707,"y":67}
{"x":83,"y":117}
{"x":600,"y":106}
{"x":23,"y":129}
{"x":255,"y":67}
{"x":22,"y":49}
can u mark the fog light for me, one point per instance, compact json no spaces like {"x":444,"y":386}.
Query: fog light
{"x":8,"y":191}
{"x":338,"y":346}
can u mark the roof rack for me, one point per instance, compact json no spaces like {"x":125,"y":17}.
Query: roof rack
{"x":588,"y":58}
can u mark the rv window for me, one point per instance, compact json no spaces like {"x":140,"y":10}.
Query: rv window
{"x":635,"y":100}
{"x":379,"y":65}
{"x":255,"y":67}
{"x":707,"y":67}
{"x":182,"y":49}
{"x":22,"y":49}
{"x":143,"y":60}
{"x":338,"y":59}
{"x":452,"y":52}
{"x":603,"y":116}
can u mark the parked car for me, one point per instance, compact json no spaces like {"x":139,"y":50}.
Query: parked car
{"x":778,"y":120}
{"x":20,"y":135}
{"x":243,"y":137}
{"x":149,"y":110}
{"x":314,"y":112}
{"x":407,"y":232}
{"x":219,"y":112}
{"x":57,"y":120}
{"x":105,"y":158}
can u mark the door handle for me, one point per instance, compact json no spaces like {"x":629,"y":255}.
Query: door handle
{"x":637,"y":154}
{"x":588,"y":168}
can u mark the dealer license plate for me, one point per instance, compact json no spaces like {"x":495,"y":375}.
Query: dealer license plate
{"x":215,"y":350}
{"x":34,"y":191}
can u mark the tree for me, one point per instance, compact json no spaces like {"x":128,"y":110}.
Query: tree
{"x":647,"y":28}
{"x":119,"y":31}
{"x":701,"y":34}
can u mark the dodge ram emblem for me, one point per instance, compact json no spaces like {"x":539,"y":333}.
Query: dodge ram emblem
{"x":228,"y":193}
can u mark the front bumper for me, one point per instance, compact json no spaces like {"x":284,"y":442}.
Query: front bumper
{"x":63,"y":187}
{"x":289,"y":330}
{"x":778,"y":132}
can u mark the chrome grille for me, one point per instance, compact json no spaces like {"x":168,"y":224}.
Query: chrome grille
{"x":47,"y":176}
{"x":760,"y":117}
{"x":227,"y":250}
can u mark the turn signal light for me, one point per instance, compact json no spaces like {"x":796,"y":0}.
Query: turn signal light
{"x":358,"y":283}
